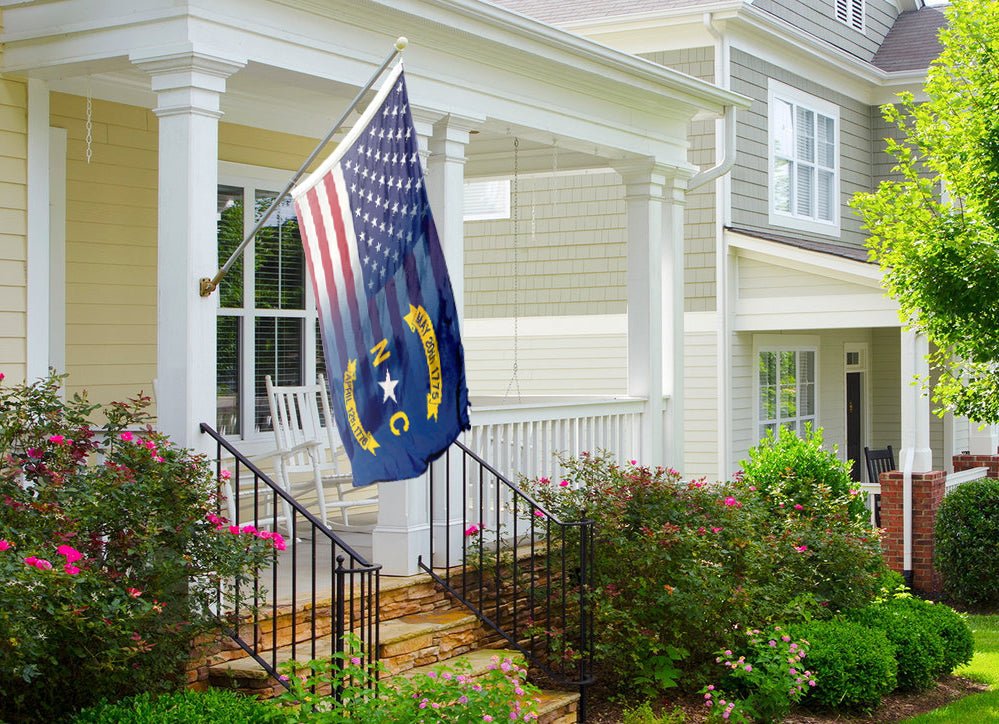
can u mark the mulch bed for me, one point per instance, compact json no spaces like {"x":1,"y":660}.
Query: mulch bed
{"x":895,"y":707}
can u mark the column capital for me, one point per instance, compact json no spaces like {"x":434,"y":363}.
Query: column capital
{"x":648,"y":178}
{"x":186,"y":80}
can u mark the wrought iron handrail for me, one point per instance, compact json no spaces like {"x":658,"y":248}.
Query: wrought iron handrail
{"x":522,"y":571}
{"x":353,"y":598}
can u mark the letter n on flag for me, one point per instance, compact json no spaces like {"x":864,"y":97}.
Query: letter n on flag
{"x":394,"y":357}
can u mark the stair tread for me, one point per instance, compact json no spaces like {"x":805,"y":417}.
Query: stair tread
{"x":479,"y":659}
{"x":553,"y":699}
{"x":393,"y":631}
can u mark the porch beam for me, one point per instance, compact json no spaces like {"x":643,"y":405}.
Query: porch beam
{"x":188,"y":87}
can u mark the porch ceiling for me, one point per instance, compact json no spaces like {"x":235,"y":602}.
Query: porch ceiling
{"x":305,"y":59}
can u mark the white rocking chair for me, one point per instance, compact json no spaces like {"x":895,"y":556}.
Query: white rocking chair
{"x":308,"y":445}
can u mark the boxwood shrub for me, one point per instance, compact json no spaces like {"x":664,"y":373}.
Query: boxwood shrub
{"x":919,"y":647}
{"x":967,"y":543}
{"x":214,"y":706}
{"x":951,"y":627}
{"x":854,"y":665}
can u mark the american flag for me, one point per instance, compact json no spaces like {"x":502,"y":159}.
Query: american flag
{"x":393,"y":352}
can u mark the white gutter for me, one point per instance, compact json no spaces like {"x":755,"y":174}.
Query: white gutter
{"x":728,"y":159}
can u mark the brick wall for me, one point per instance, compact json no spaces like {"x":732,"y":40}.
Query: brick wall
{"x":966,"y":462}
{"x":927,"y":493}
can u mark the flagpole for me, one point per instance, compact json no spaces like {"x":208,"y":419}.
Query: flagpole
{"x":206,"y":285}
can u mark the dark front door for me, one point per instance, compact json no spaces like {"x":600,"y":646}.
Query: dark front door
{"x":853,"y":432}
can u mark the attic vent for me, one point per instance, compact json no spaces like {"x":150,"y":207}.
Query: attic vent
{"x":851,"y":12}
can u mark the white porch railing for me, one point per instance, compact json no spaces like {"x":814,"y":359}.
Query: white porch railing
{"x":956,"y":479}
{"x":522,"y":439}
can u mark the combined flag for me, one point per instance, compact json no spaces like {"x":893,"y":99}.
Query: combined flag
{"x":394,"y":357}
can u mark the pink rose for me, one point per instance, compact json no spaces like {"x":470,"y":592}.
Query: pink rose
{"x":56,"y":439}
{"x":126,"y":436}
{"x":71,"y":569}
{"x":4,"y":545}
{"x":563,"y":483}
{"x":472,"y":529}
{"x":71,"y":554}
{"x":133,"y":592}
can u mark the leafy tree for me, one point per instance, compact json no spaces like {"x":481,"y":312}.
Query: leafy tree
{"x":935,"y":228}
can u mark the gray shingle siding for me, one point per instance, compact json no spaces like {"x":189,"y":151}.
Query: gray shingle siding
{"x":750,"y":188}
{"x":700,"y":211}
{"x":818,"y":18}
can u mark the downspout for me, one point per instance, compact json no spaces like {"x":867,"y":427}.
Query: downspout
{"x":725,"y":138}
{"x":727,"y":162}
{"x":907,"y":465}
{"x":721,"y":79}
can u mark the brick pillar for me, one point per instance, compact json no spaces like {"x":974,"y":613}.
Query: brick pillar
{"x":966,"y":462}
{"x":927,"y":493}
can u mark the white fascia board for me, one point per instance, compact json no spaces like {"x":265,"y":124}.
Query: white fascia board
{"x":545,"y":41}
{"x":825,"y":319}
{"x":805,"y":260}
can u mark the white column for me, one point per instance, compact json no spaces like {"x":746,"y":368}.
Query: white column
{"x":915,"y":402}
{"x":38,"y":274}
{"x":446,"y":188}
{"x":654,"y":195}
{"x":188,"y":86}
{"x":402,"y":533}
{"x":915,"y":454}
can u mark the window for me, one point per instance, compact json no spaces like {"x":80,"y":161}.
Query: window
{"x":786,"y":389}
{"x":804,"y":161}
{"x":266,"y":318}
{"x":851,"y":12}
{"x":485,"y":200}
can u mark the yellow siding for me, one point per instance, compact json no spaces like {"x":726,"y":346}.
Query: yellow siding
{"x":111,"y":216}
{"x":110,"y":247}
{"x":256,"y":147}
{"x":13,"y":222}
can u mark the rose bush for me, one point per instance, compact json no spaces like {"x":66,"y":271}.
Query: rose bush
{"x":679,"y":565}
{"x":112,"y":553}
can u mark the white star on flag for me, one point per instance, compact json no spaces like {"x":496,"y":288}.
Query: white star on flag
{"x":388,"y":386}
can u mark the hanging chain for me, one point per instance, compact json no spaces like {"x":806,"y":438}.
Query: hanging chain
{"x":514,"y":380}
{"x":90,"y":123}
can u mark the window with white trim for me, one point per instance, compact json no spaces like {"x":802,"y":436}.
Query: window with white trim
{"x":786,"y":390}
{"x":804,"y":161}
{"x":851,"y":12}
{"x":485,"y":200}
{"x":266,"y":319}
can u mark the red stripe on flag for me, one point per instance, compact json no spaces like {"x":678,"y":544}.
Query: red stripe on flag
{"x":326,"y":269}
{"x":345,"y":266}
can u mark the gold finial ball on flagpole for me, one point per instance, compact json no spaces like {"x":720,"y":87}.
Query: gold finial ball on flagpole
{"x":401,"y":42}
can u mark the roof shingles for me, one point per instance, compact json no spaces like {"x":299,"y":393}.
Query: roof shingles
{"x":912,"y":42}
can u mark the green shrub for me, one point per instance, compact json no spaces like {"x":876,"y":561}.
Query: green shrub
{"x":967,"y":543}
{"x":953,"y":630}
{"x":919,"y":648}
{"x":854,"y":665}
{"x":763,"y":680}
{"x":110,"y":553}
{"x":680,"y":565}
{"x":214,"y":706}
{"x":789,"y":470}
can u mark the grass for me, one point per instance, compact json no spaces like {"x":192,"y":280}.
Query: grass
{"x":984,"y":667}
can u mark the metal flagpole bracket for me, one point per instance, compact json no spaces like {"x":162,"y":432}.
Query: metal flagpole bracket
{"x":205,"y":285}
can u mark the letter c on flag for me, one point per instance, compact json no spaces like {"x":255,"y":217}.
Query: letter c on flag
{"x":405,"y":423}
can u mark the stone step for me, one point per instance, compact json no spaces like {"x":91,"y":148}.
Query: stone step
{"x":558,"y":707}
{"x":480,"y":661}
{"x":405,"y":643}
